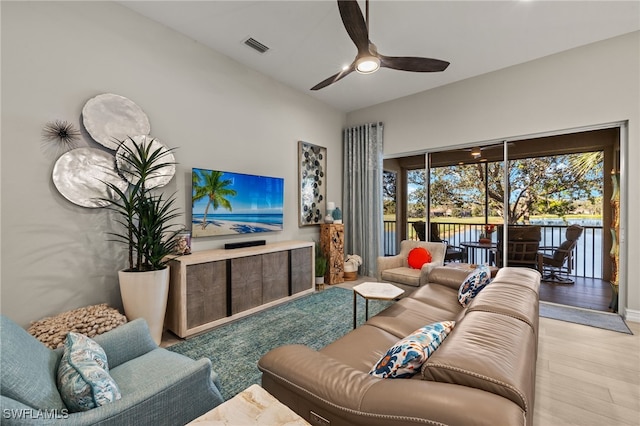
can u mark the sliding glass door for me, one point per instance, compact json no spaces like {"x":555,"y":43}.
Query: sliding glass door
{"x":551,"y":182}
{"x":465,"y":199}
{"x":544,"y":187}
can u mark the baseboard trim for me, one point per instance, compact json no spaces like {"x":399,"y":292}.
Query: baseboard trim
{"x":632,"y":315}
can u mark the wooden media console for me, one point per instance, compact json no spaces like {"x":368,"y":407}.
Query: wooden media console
{"x":211,"y":287}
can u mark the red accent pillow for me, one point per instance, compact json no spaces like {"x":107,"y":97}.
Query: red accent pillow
{"x":418,"y":256}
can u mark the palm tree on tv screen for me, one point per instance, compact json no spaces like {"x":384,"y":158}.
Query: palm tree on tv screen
{"x":211,"y":185}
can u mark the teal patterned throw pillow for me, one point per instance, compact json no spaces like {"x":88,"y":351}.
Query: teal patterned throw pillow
{"x":83,"y":375}
{"x":471,"y":286}
{"x":405,"y":358}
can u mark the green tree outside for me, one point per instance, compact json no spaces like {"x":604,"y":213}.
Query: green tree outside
{"x":543,"y":187}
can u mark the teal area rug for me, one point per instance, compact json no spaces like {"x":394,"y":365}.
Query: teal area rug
{"x":314,"y":320}
{"x":606,"y":320}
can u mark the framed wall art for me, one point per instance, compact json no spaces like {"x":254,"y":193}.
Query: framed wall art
{"x":312,"y":166}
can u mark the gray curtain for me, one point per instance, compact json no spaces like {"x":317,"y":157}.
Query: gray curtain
{"x":362,"y":194}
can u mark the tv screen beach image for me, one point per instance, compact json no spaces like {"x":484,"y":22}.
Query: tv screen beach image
{"x":227,"y":203}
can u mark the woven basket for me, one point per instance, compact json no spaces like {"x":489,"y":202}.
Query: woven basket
{"x":351,"y":276}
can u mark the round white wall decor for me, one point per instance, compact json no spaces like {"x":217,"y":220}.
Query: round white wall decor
{"x":110,"y":119}
{"x":80,"y":176}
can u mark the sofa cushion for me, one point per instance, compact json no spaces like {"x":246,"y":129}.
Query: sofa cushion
{"x":28,"y":373}
{"x":402,"y":275}
{"x":361,"y":348}
{"x":83,"y":375}
{"x":525,"y":277}
{"x":472,"y":285}
{"x":417,"y":257}
{"x":448,"y":276}
{"x":151,"y":371}
{"x":408,"y":314}
{"x":439,"y":296}
{"x":491,"y":352}
{"x":510,"y":299}
{"x":405,"y":358}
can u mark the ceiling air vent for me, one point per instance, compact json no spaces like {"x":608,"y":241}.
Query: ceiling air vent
{"x":256,"y":45}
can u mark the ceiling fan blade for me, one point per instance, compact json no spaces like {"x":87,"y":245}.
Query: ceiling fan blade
{"x":355,"y":24}
{"x":415,"y":64}
{"x":342,"y":74}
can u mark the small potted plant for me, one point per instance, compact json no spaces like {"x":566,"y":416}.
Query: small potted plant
{"x":321,"y":266}
{"x":485,"y":237}
{"x":147,"y":230}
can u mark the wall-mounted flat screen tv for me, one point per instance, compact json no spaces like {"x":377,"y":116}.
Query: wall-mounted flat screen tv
{"x":226,"y":203}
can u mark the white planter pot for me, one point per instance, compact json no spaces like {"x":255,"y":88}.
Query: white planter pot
{"x":144,"y":295}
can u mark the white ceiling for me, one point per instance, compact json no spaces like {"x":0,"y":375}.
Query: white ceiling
{"x":308,"y":42}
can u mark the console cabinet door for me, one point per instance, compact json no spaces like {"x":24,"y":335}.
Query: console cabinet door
{"x":246,"y":283}
{"x":301,"y":272}
{"x":206,"y":293}
{"x":275,"y":276}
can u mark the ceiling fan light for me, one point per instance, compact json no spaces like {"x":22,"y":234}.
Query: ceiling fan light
{"x":367,"y":64}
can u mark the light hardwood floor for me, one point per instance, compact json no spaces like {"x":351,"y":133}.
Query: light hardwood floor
{"x":587,"y":376}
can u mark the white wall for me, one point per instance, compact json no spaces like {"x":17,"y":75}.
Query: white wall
{"x":218,"y":113}
{"x":591,"y":85}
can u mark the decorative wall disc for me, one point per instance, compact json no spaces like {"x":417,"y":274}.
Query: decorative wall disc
{"x":157,"y":179}
{"x":80,"y":176}
{"x":110,"y":119}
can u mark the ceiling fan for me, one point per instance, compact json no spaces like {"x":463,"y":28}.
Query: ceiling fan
{"x":368,"y":60}
{"x":476,"y":151}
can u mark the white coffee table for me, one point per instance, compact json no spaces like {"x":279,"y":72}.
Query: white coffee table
{"x":252,"y":406}
{"x":373,"y":291}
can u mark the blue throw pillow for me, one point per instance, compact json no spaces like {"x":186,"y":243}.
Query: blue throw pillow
{"x":83,"y":375}
{"x":472,"y":285}
{"x":405,"y":358}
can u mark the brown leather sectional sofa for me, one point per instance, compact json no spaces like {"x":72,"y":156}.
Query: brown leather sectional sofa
{"x":482,"y":374}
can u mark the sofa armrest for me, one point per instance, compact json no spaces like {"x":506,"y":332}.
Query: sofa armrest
{"x":314,"y":374}
{"x":126,"y":342}
{"x":389,"y":262}
{"x":425,"y":271}
{"x":180,"y":397}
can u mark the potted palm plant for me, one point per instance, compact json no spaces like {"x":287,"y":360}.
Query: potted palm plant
{"x":146,"y":219}
{"x":321,"y":266}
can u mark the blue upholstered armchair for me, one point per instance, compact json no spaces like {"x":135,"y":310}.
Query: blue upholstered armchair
{"x":158,"y":387}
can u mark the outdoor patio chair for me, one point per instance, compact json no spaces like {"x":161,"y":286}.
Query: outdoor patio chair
{"x":453,"y":253}
{"x":556,"y":263}
{"x":522,"y":246}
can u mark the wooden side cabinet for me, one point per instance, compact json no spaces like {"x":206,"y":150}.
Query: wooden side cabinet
{"x":209,"y":288}
{"x":332,"y":245}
